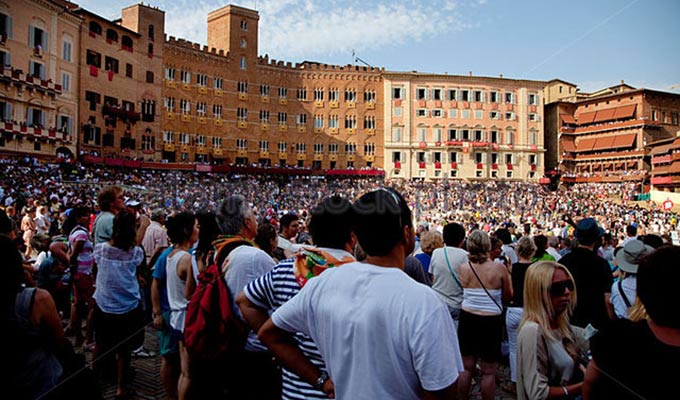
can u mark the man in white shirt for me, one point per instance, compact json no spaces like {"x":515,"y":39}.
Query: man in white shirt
{"x":288,"y":230}
{"x":553,"y":243}
{"x":381,"y":334}
{"x":444,"y":269}
{"x":155,"y":237}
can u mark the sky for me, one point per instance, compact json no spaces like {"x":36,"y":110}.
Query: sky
{"x":591,"y":43}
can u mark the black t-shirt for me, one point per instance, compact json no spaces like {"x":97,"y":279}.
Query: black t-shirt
{"x":593,"y":279}
{"x":519,"y":270}
{"x":628,"y":354}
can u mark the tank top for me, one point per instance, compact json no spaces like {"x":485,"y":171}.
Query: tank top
{"x":36,"y":370}
{"x":476,"y":299}
{"x":176,"y":298}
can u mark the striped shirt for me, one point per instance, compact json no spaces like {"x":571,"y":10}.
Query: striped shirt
{"x":270,"y":292}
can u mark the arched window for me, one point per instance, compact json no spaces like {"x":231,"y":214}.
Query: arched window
{"x":111,"y":36}
{"x":150,"y":32}
{"x":243,"y":63}
{"x":126,"y":43}
{"x":509,"y":137}
{"x":95,"y":28}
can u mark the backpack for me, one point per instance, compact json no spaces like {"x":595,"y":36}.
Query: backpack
{"x":212,"y":330}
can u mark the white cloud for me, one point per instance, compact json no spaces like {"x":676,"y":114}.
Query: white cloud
{"x":312,"y":29}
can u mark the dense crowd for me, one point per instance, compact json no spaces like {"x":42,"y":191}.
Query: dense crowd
{"x":492,"y":270}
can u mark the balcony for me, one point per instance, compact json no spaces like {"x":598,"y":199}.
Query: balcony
{"x":33,"y":132}
{"x":28,"y":81}
{"x":126,"y":116}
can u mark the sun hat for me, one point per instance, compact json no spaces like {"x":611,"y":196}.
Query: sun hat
{"x":628,"y":258}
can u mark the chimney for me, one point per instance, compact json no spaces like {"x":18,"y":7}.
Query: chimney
{"x":469,"y":73}
{"x":500,"y":76}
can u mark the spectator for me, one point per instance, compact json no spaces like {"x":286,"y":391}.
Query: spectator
{"x":417,"y":352}
{"x":330,"y":227}
{"x":111,"y":201}
{"x":592,"y":276}
{"x":486,"y":286}
{"x":550,"y":351}
{"x":624,"y":289}
{"x":653,"y":344}
{"x":118,"y":313}
{"x":444,"y":272}
{"x":267,"y":239}
{"x":155,"y":237}
{"x":525,"y":252}
{"x":288,"y":230}
{"x":429,"y":241}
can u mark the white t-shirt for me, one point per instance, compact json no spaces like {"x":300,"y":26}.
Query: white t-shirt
{"x":450,"y":290}
{"x":381,"y":334}
{"x":629,"y":286}
{"x":246,"y":264}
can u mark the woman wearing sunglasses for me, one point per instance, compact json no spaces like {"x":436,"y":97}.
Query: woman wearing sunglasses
{"x":550,"y":351}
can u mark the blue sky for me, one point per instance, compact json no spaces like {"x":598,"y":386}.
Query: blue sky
{"x":591,"y":43}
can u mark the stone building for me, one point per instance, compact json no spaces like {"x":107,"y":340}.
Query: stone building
{"x":449,"y":126}
{"x":39,"y":43}
{"x":120,"y":65}
{"x":223,"y":103}
{"x":602,"y":136}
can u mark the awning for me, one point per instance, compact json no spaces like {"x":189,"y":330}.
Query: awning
{"x":632,"y":164}
{"x":624,"y":140}
{"x":604,"y":143}
{"x":586,"y":118}
{"x":605,"y":115}
{"x":567,"y":119}
{"x":625,"y":112}
{"x":662,"y":149}
{"x":585,"y":144}
{"x":667,"y":169}
{"x":568,"y":146}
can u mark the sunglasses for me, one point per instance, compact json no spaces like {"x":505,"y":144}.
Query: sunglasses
{"x":557,"y":288}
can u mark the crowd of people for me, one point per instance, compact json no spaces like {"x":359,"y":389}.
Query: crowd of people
{"x":314,"y":271}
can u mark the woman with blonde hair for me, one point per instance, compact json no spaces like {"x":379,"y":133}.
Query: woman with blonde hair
{"x":429,"y":241}
{"x":550,"y":351}
{"x":486,"y":286}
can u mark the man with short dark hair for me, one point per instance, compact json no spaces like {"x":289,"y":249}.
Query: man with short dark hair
{"x":331,"y":231}
{"x":592,"y":276}
{"x":444,"y":268}
{"x":381,"y":334}
{"x":288,"y":230}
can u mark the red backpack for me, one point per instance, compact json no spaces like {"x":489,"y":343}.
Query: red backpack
{"x":211,"y":329}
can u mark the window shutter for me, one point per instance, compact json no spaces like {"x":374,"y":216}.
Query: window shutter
{"x":29,"y":116}
{"x":31,"y":35}
{"x":43,"y":118}
{"x":8,"y":20}
{"x":46,"y":42}
{"x":8,"y":111}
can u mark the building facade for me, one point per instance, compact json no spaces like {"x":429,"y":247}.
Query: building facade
{"x":39,"y":44}
{"x":666,"y":164}
{"x":442,"y":126}
{"x":121,"y":66}
{"x":602,"y":137}
{"x":222,"y":103}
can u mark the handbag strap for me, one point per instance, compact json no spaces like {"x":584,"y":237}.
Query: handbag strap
{"x":448,"y":264}
{"x":623,"y":294}
{"x":484,"y":287}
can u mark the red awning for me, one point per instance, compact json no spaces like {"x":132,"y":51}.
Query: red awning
{"x":586,"y":118}
{"x":603,"y":143}
{"x":585,"y":144}
{"x":625,"y":112}
{"x":624,"y":140}
{"x":567,"y":119}
{"x":604,"y":115}
{"x":568,"y":146}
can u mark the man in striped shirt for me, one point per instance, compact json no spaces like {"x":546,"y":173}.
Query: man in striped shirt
{"x":331,"y":233}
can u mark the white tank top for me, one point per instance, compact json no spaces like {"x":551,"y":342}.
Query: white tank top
{"x":176,"y":286}
{"x":476,"y":299}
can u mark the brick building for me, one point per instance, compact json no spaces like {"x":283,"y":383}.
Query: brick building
{"x":120,"y":67}
{"x":39,"y":43}
{"x":225,"y":104}
{"x":602,"y":136}
{"x":447,"y":126}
